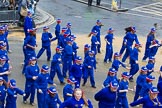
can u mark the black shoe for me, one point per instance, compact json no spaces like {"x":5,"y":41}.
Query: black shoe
{"x":83,"y":84}
{"x":93,"y":86}
{"x":25,"y":102}
{"x":48,"y":59}
{"x":32,"y":104}
{"x":131,"y":79}
{"x":62,"y":83}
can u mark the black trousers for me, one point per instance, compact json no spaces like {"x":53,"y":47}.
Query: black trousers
{"x":98,"y":2}
{"x":90,"y":2}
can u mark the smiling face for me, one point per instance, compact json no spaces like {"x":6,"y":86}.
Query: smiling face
{"x":77,"y":94}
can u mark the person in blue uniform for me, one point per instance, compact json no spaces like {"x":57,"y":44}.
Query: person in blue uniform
{"x":3,"y":87}
{"x":159,"y":87}
{"x":68,"y":26}
{"x":155,"y":45}
{"x":86,"y":50}
{"x":78,"y":100}
{"x":129,"y":39}
{"x":52,"y":98}
{"x":109,"y":47}
{"x":121,"y":101}
{"x":31,"y":74}
{"x":150,"y":65}
{"x":68,"y":88}
{"x":6,"y":36}
{"x":28,"y":23}
{"x":61,"y":38}
{"x":149,"y":101}
{"x":42,"y":82}
{"x":77,"y":70}
{"x":150,"y":38}
{"x":111,"y":76}
{"x":117,"y":63}
{"x":146,"y":86}
{"x":75,"y":47}
{"x":97,"y":28}
{"x":12,"y":93}
{"x":160,"y":76}
{"x":4,"y":68}
{"x":2,"y":34}
{"x":140,"y":81}
{"x":46,"y":43}
{"x":58,"y":28}
{"x":55,"y":65}
{"x":134,"y":61}
{"x":90,"y":68}
{"x":29,"y":47}
{"x":94,"y":41}
{"x":67,"y":57}
{"x":106,"y":97}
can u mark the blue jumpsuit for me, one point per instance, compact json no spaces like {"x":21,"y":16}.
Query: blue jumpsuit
{"x":4,"y":68}
{"x":2,"y":95}
{"x":133,"y":58}
{"x":76,"y":72}
{"x":123,"y":46}
{"x":106,"y":98}
{"x":160,"y":78}
{"x":30,"y":85}
{"x":141,"y":80}
{"x":122,"y":101}
{"x":12,"y":97}
{"x":67,"y":89}
{"x":42,"y":83}
{"x":6,"y":40}
{"x":109,"y":79}
{"x":89,"y":61}
{"x":145,"y":89}
{"x":109,"y":48}
{"x":28,"y":24}
{"x":73,"y":103}
{"x":67,"y":61}
{"x":93,"y":44}
{"x":29,"y":52}
{"x":150,"y":38}
{"x":55,"y":68}
{"x":46,"y":45}
{"x":146,"y":102}
{"x":75,"y":47}
{"x":51,"y":102}
{"x":57,"y":30}
{"x":97,"y":28}
{"x":116,"y":64}
{"x":129,"y":39}
{"x":159,"y":87}
{"x":2,"y":38}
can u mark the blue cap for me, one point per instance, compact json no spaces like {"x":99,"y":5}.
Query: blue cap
{"x":112,"y":70}
{"x":33,"y":58}
{"x":114,"y":84}
{"x":3,"y":58}
{"x":5,"y":26}
{"x":87,"y":46}
{"x":2,"y":28}
{"x":52,"y":90}
{"x":59,"y":48}
{"x":98,"y":21}
{"x":116,"y":54}
{"x":72,"y":36}
{"x":68,"y":24}
{"x":45,"y":67}
{"x":153,"y":29}
{"x":126,"y":74}
{"x":45,"y":27}
{"x":1,"y":78}
{"x":29,"y":12}
{"x":133,"y":28}
{"x":69,"y":40}
{"x":91,"y":52}
{"x":13,"y":83}
{"x":150,"y":78}
{"x":71,"y":79}
{"x":78,"y":58}
{"x":154,"y":90}
{"x":144,"y":69}
{"x":111,"y":29}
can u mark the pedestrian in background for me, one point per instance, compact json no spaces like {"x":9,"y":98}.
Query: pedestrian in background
{"x":106,"y":97}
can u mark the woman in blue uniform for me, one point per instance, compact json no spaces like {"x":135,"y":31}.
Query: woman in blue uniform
{"x":12,"y":92}
{"x":78,"y":100}
{"x":106,"y":97}
{"x":149,"y":101}
{"x":52,"y":98}
{"x":46,"y":43}
{"x":94,"y":41}
{"x":69,"y":89}
{"x":3,"y":87}
{"x":150,"y":38}
{"x":86,"y":50}
{"x":150,"y":65}
{"x":122,"y":101}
